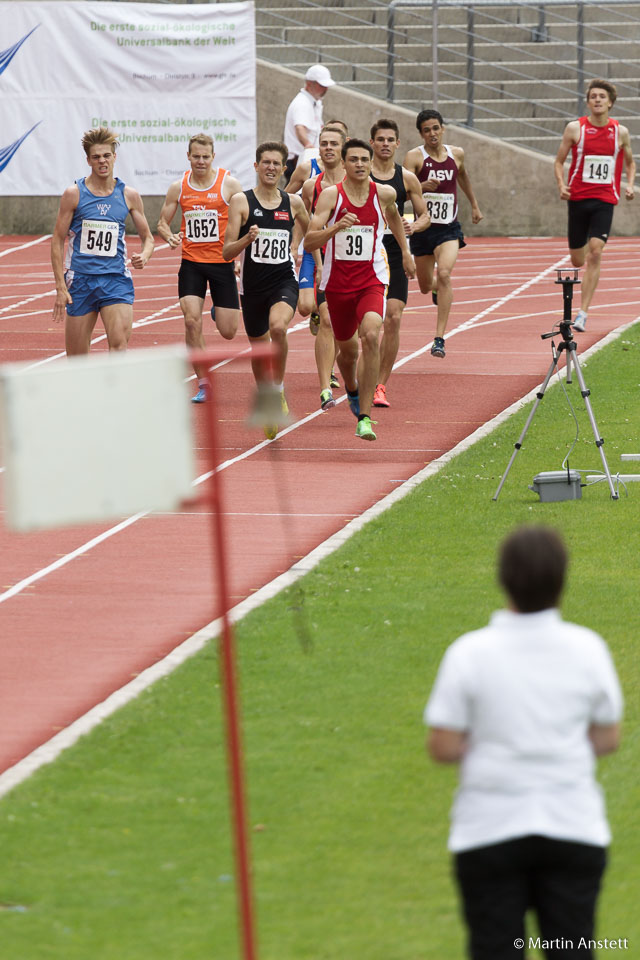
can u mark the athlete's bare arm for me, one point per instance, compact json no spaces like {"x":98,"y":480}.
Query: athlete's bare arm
{"x":413,"y":163}
{"x":167,"y":214}
{"x":300,"y":214}
{"x":570,"y":136}
{"x":629,"y":162}
{"x":421,"y":218}
{"x":387,"y":198}
{"x":230,"y":188}
{"x":301,"y":173}
{"x":317,"y":235}
{"x":307,"y":199}
{"x":68,"y":203}
{"x":238,"y":216}
{"x":465,"y":184}
{"x":136,"y":209}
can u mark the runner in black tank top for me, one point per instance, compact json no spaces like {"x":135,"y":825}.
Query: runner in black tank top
{"x":267,"y":262}
{"x":385,"y":140}
{"x":441,"y":170}
{"x":259,"y":231}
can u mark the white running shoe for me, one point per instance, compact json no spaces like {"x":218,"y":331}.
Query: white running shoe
{"x":580,"y":322}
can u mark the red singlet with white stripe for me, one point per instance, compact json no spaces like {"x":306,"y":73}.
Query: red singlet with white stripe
{"x":355,"y":257}
{"x":596,"y":164}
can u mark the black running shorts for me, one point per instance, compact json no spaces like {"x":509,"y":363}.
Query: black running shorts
{"x":256,"y":307}
{"x":589,"y":218}
{"x":193,"y":278}
{"x":424,"y":244}
{"x":398,"y":288}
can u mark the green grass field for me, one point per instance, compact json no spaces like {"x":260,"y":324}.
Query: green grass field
{"x":121,"y":849}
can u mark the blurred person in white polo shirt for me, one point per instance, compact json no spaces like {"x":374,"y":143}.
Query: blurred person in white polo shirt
{"x":303,"y":121}
{"x":525,"y":705}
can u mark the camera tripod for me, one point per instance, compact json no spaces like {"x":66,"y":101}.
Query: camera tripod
{"x":570,"y":347}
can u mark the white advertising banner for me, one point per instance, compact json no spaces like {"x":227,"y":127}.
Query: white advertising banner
{"x":155,"y":73}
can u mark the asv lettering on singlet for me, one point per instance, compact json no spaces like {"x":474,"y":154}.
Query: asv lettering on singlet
{"x":99,"y":238}
{"x":354,"y":243}
{"x":271,"y":246}
{"x":598,"y":169}
{"x":440,"y":207}
{"x":201,"y":226}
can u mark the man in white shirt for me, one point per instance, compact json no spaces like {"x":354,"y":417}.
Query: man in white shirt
{"x":303,"y":121}
{"x":525,"y":705}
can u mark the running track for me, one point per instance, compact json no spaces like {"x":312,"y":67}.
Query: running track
{"x":84,"y":610}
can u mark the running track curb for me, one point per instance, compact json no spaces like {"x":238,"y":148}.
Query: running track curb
{"x":52,"y":749}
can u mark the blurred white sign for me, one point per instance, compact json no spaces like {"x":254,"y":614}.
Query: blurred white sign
{"x":95,"y":437}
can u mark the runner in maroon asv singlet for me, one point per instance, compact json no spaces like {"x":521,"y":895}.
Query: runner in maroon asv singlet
{"x":441,"y":170}
{"x":350,"y":218}
{"x":600,"y":147}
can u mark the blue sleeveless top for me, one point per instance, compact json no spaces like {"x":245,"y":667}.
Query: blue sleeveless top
{"x":315,"y":167}
{"x":96,"y":235}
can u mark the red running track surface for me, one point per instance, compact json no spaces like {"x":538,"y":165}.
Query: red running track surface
{"x":75,"y":634}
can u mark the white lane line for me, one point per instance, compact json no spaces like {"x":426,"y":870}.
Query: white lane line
{"x":52,"y":749}
{"x":24,"y":246}
{"x":62,"y":561}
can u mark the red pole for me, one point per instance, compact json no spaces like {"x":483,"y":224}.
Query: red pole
{"x":230,"y":701}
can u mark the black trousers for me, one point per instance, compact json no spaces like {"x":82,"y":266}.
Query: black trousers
{"x":557,"y":879}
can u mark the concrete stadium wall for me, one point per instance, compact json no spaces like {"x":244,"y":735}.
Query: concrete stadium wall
{"x":515,"y":187}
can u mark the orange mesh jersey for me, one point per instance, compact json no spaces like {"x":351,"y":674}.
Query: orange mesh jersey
{"x":205,"y":214}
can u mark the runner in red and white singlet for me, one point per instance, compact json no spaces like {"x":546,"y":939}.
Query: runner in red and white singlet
{"x":203,"y":194}
{"x":330,"y":145}
{"x":350,"y":219}
{"x":596,"y":162}
{"x":440,"y":169}
{"x":600,"y":147}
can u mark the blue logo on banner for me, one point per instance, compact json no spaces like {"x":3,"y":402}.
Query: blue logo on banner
{"x":6,"y":56}
{"x":6,"y":153}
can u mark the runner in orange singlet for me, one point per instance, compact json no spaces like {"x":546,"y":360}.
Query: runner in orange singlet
{"x":203,"y":194}
{"x":600,"y":147}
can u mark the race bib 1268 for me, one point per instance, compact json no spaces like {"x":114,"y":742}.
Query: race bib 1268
{"x":99,"y":238}
{"x":271,"y":246}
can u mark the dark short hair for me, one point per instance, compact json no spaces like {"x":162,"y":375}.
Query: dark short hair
{"x":428,"y":115}
{"x":383,"y":124}
{"x":532,"y":567}
{"x":271,"y":145}
{"x":360,"y":144}
{"x":604,"y":85}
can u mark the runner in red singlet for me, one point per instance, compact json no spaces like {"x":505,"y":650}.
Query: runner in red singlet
{"x":330,"y":145}
{"x":600,"y":147}
{"x":350,"y":219}
{"x":441,"y":170}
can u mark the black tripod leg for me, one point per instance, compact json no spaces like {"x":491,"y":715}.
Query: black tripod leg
{"x":519,"y":441}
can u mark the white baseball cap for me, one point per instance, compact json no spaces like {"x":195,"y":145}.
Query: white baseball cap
{"x":320,"y":74}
